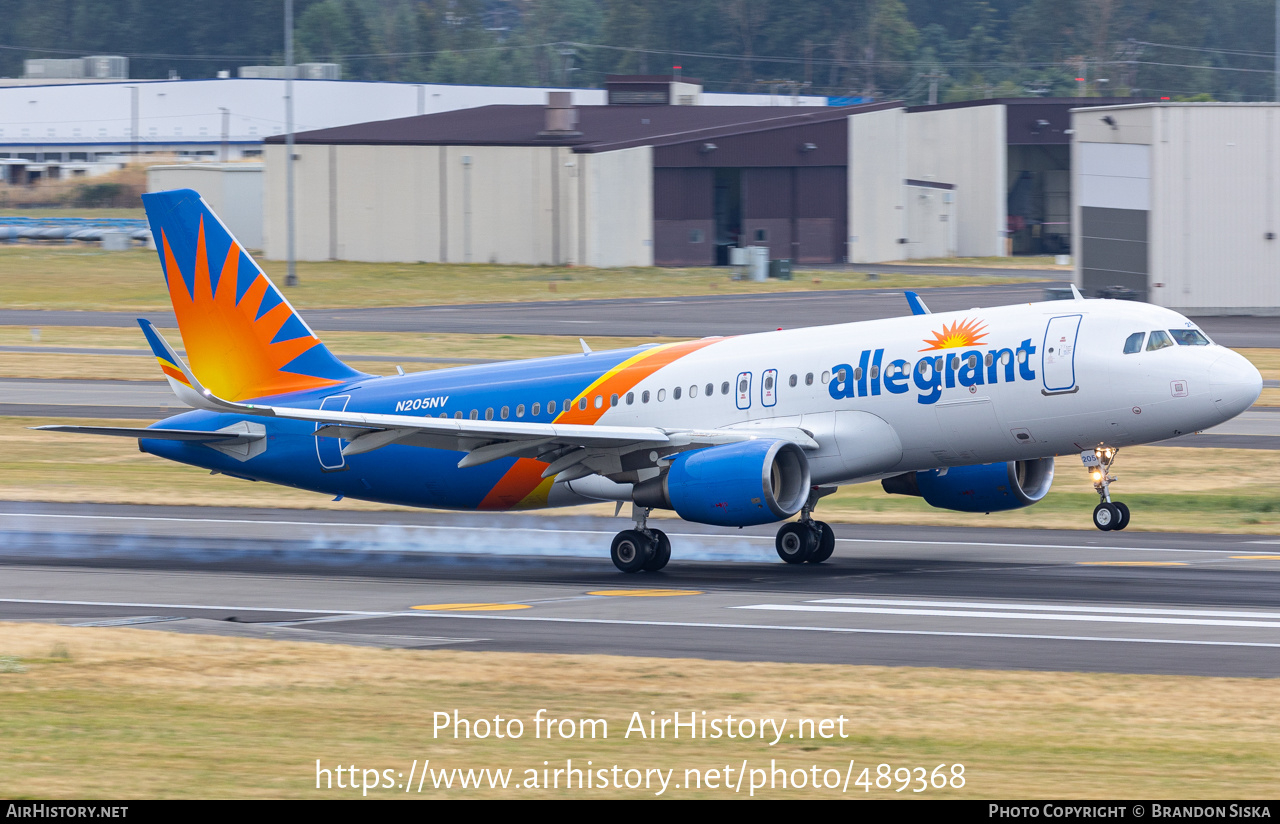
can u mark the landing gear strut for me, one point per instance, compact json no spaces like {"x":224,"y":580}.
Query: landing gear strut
{"x":641,"y":548}
{"x":807,"y":540}
{"x":1107,"y":515}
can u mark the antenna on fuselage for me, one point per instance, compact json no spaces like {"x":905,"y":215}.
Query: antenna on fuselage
{"x":917,"y":305}
{"x":1075,"y":293}
{"x":586,"y":350}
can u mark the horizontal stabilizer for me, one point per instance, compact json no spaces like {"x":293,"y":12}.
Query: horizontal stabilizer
{"x":196,"y":435}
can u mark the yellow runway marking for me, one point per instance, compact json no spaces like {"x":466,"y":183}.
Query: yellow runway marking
{"x":469,"y":607}
{"x":1256,"y":557}
{"x":645,"y":593}
{"x":1130,"y":563}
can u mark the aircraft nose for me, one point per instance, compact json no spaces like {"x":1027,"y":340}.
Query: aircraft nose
{"x":1234,"y":384}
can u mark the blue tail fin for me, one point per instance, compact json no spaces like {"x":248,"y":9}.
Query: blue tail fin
{"x":242,"y":337}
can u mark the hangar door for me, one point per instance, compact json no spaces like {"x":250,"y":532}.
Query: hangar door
{"x":799,"y":213}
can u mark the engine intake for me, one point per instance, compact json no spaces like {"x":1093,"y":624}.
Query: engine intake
{"x":738,"y":484}
{"x":982,"y":488}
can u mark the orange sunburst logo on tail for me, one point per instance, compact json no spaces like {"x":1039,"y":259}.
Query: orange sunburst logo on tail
{"x":956,"y":335}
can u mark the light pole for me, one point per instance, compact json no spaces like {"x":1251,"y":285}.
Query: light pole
{"x":226,"y":131}
{"x":133,"y":123}
{"x":291,"y":274}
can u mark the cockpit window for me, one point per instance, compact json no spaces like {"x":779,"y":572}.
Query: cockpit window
{"x":1189,"y":337}
{"x":1133,"y":343}
{"x":1159,"y":340}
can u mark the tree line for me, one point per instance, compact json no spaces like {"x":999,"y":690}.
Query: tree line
{"x":882,"y":49}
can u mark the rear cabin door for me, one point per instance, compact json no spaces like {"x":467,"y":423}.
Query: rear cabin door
{"x":329,"y":450}
{"x":744,"y":390}
{"x":1058,"y":355}
{"x":769,"y":387}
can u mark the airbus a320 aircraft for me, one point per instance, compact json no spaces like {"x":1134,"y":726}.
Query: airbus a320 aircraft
{"x":965,"y":409}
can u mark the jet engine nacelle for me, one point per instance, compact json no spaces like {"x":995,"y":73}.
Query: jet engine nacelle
{"x":738,"y":484}
{"x":982,"y":488}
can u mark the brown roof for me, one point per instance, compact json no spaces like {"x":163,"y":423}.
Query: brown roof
{"x":602,"y":128}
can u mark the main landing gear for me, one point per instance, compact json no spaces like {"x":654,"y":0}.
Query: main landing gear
{"x":642,"y":548}
{"x":806,"y":540}
{"x":1107,"y":515}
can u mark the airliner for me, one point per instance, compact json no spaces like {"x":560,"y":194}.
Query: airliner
{"x":967,"y":410}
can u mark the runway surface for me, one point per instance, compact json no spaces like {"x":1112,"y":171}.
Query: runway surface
{"x":892,"y":595}
{"x":153,"y":400}
{"x":695,"y":316}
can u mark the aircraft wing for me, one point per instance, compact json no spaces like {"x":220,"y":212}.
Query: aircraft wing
{"x":570,"y":450}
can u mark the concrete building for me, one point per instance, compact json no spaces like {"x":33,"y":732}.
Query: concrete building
{"x":234,"y":190}
{"x":1180,"y":202}
{"x":608,"y":185}
{"x":997,"y":170}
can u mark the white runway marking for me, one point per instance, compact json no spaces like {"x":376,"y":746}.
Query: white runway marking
{"x":1208,"y":613}
{"x":855,"y":630}
{"x":1024,"y":616}
{"x":678,"y":624}
{"x":194,"y":606}
{"x":562,"y":531}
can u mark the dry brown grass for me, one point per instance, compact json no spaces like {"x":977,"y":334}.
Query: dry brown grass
{"x":119,"y":189}
{"x":1020,"y":262}
{"x":68,"y":277}
{"x":136,"y":714}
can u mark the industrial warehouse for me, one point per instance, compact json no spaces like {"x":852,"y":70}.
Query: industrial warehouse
{"x":822,"y":184}
{"x":627,"y":184}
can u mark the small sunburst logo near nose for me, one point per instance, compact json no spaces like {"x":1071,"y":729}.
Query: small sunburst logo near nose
{"x":957,"y":335}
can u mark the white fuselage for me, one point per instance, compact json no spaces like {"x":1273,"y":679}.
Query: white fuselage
{"x":1016,"y":382}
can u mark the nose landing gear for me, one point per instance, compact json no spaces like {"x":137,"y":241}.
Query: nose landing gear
{"x":642,"y":548}
{"x":1107,"y":515}
{"x":806,"y":540}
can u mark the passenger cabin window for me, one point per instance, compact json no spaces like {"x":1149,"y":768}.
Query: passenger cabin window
{"x":537,"y":409}
{"x":551,"y":408}
{"x":662,"y":395}
{"x":520,"y":411}
{"x":1133,"y":343}
{"x":644,"y":396}
{"x":675,"y":394}
{"x":724,"y":388}
{"x":1189,"y":337}
{"x":808,"y":379}
{"x":792,"y":381}
{"x":1159,"y":340}
{"x":631,"y":398}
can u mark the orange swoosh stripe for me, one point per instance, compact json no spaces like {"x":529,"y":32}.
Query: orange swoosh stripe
{"x":524,"y":478}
